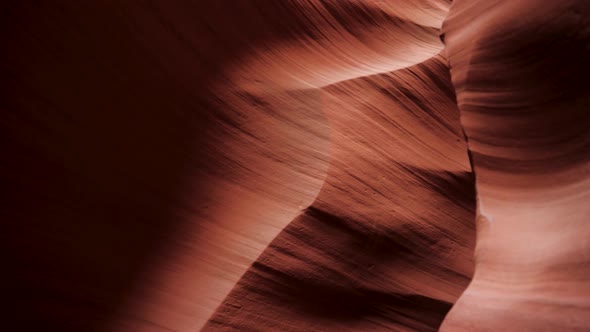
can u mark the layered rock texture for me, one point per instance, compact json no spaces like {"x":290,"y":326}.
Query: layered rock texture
{"x":386,"y":248}
{"x":525,"y":112}
{"x":296,"y":165}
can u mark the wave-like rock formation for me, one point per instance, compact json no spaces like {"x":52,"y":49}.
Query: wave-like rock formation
{"x":387,"y":244}
{"x":264,"y":165}
{"x":518,"y":68}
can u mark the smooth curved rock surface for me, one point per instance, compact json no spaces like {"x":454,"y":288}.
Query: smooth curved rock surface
{"x":155,"y":149}
{"x":294,"y":165}
{"x":387,"y":245}
{"x":518,"y":68}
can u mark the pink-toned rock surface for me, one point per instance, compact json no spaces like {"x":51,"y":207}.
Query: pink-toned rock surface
{"x":387,"y":244}
{"x":293,"y":165}
{"x":518,"y":68}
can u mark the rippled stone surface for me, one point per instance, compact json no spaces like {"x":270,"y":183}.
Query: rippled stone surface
{"x":295,"y":165}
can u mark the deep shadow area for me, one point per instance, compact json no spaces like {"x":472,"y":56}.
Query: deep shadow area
{"x":96,"y":140}
{"x":104,"y":110}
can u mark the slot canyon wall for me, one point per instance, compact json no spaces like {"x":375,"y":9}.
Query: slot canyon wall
{"x":523,"y":103}
{"x":295,"y":165}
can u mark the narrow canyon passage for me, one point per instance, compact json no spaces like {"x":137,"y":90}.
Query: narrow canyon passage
{"x":295,"y":165}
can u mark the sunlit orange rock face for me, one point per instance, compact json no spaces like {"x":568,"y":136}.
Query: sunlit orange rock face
{"x":296,"y":165}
